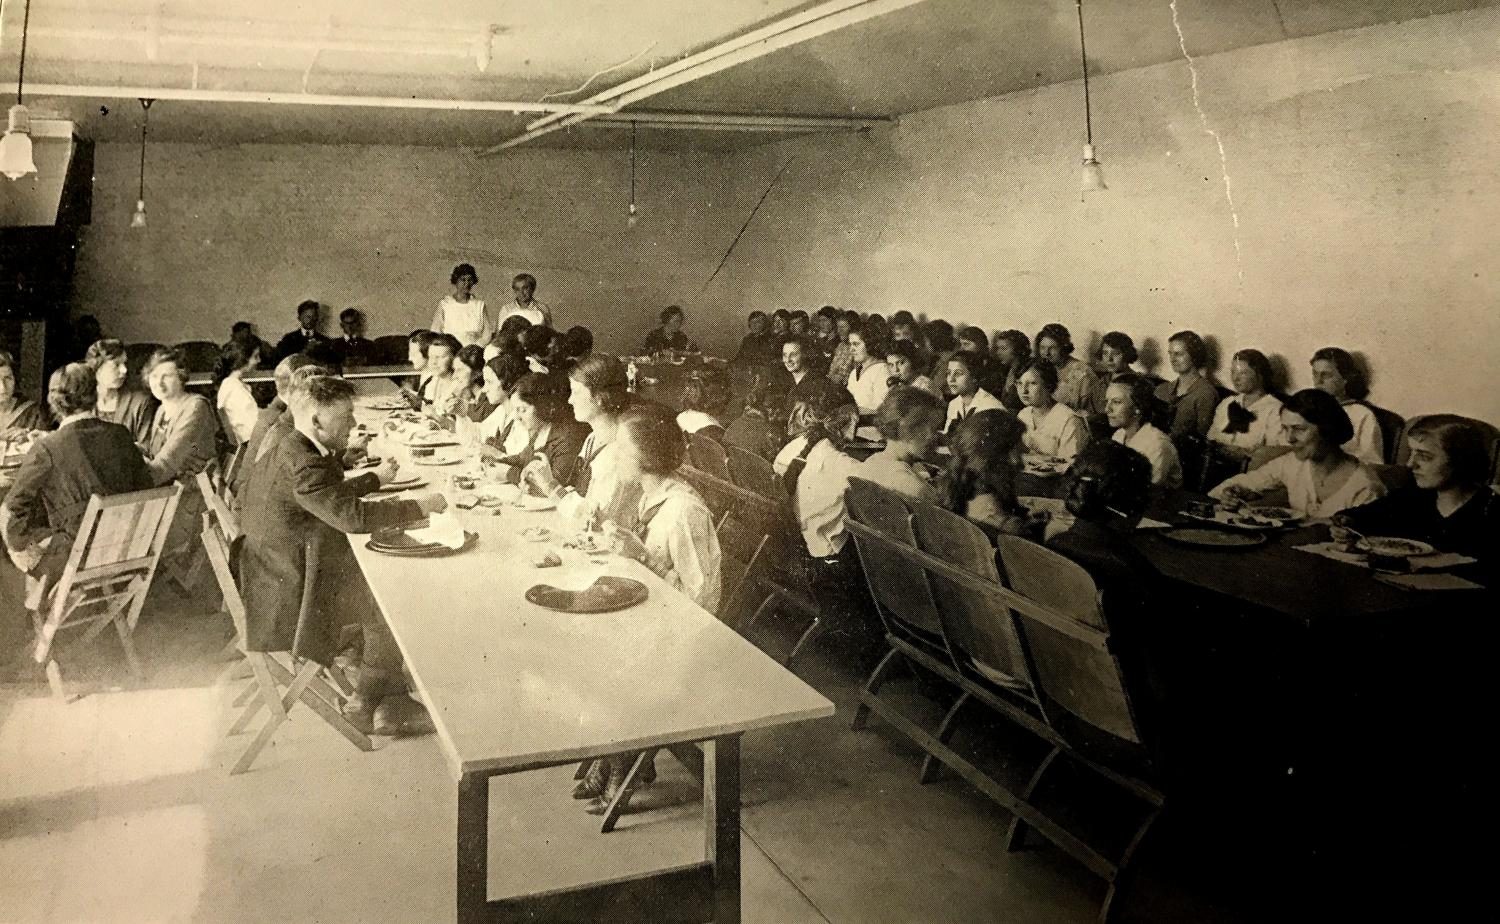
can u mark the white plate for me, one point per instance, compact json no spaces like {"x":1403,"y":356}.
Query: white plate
{"x":436,"y":460}
{"x":534,"y":504}
{"x":404,"y":485}
{"x":1394,"y":547}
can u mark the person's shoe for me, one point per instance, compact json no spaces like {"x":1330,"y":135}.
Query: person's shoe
{"x":401,"y":716}
{"x":592,"y":784}
{"x":358,"y":712}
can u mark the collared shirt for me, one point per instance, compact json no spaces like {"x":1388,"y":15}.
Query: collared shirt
{"x":237,"y":407}
{"x":468,"y":321}
{"x":868,"y":386}
{"x":612,"y":497}
{"x":681,"y":544}
{"x":819,"y":502}
{"x":1058,"y":433}
{"x":1264,"y":430}
{"x":323,"y":451}
{"x":1368,"y":439}
{"x":535,"y":311}
{"x":1296,"y":475}
{"x":1077,"y":385}
{"x":981,"y":400}
{"x":1156,"y":446}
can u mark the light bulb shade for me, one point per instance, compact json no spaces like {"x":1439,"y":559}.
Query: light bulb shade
{"x":138,"y":220}
{"x":630,"y":218}
{"x":15,"y":147}
{"x":1093,"y":171}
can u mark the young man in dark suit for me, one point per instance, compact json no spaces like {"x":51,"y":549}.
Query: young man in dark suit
{"x":84,"y":456}
{"x":306,"y":334}
{"x":299,"y":577}
{"x":352,"y":347}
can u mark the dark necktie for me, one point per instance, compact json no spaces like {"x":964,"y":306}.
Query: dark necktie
{"x":1240,"y":418}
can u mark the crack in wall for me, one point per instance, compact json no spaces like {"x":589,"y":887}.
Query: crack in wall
{"x":1213,"y":133}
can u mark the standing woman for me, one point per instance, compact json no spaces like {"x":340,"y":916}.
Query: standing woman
{"x":593,"y":489}
{"x":119,"y":403}
{"x":1052,"y":429}
{"x":1190,"y":397}
{"x":1319,"y":476}
{"x":1335,"y":372}
{"x":675,"y":539}
{"x":16,"y":413}
{"x":461,"y":314}
{"x":1077,"y":385}
{"x":238,"y":409}
{"x":1128,"y":405}
{"x":1251,"y":418}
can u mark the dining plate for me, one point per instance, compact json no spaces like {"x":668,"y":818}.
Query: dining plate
{"x":404,"y":484}
{"x":1214,"y":538}
{"x":533,"y":504}
{"x":436,"y":460}
{"x":388,"y":404}
{"x":1394,"y":547}
{"x":605,"y":595}
{"x":394,"y":540}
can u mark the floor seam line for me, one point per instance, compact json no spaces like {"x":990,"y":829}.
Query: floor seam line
{"x":794,"y":884}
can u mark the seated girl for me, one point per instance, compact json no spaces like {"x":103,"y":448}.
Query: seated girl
{"x":1012,"y":352}
{"x":1129,"y":404}
{"x":669,"y":336}
{"x":1335,"y":372}
{"x":1052,"y":429}
{"x":441,"y":390}
{"x":1077,"y":385}
{"x":599,"y":393}
{"x":418,"y":342}
{"x":1251,"y":418}
{"x":1450,"y":503}
{"x":703,"y":400}
{"x":965,"y":372}
{"x":539,"y":410}
{"x":500,"y":377}
{"x":1319,"y":476}
{"x":979,"y":482}
{"x":910,"y":420}
{"x":472,"y":404}
{"x":905,"y":360}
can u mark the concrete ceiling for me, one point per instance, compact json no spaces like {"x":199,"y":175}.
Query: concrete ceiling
{"x":934,"y":53}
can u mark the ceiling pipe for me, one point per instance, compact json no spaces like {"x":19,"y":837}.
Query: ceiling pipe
{"x":308,"y":99}
{"x":691,"y":119}
{"x":784,"y":33}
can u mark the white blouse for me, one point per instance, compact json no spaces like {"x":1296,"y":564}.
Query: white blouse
{"x":681,"y":544}
{"x":468,"y":321}
{"x":693,"y":421}
{"x":1156,"y":446}
{"x":790,"y":451}
{"x":819,"y":502}
{"x":237,"y":408}
{"x":1265,"y":429}
{"x":868,"y":386}
{"x":981,"y":401}
{"x":495,"y":423}
{"x":442,"y":392}
{"x":1296,"y":476}
{"x":1367,"y":443}
{"x":1059,"y":432}
{"x":614,"y":498}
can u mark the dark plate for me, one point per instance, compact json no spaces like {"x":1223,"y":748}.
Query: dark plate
{"x":1207,"y":538}
{"x":605,"y":595}
{"x":393,"y":540}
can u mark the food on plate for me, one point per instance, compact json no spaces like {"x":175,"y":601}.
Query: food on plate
{"x":548,"y":559}
{"x":1394,"y":547}
{"x":466,"y":501}
{"x":536,"y":534}
{"x":584,"y":542}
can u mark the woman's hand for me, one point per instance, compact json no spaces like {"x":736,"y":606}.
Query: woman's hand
{"x":538,"y":474}
{"x":1237,"y":496}
{"x":624,"y":542}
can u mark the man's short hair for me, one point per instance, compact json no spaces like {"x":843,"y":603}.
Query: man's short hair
{"x":320,"y":391}
{"x":350,"y":314}
{"x":71,"y":390}
{"x":526,"y":279}
{"x":284,"y":370}
{"x":309,"y":305}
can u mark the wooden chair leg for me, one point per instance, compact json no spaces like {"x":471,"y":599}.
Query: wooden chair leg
{"x":1109,"y":912}
{"x":278,"y":706}
{"x":327,"y":692}
{"x":765,"y":605}
{"x":330,"y":713}
{"x":1016,"y":838}
{"x":621,"y":800}
{"x":878,"y":677}
{"x":248,"y":710}
{"x":131,"y":658}
{"x":932,"y":768}
{"x":55,"y":681}
{"x":583,"y":770}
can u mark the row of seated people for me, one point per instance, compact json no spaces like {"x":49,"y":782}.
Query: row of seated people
{"x":868,"y":355}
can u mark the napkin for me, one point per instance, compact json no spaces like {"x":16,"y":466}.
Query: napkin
{"x":1434,"y":581}
{"x":1438,"y":561}
{"x":1334,"y":551}
{"x":441,"y":529}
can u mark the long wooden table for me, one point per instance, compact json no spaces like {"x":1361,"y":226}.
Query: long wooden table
{"x":514,"y":687}
{"x":260,"y":376}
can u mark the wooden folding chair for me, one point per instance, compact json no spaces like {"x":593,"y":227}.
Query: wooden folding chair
{"x":109,"y":570}
{"x":278,"y":682}
{"x":1086,"y":696}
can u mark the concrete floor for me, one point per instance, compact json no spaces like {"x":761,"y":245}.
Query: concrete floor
{"x":118,"y":807}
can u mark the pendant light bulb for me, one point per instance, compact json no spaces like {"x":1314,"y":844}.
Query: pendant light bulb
{"x":1093,"y":171}
{"x":138,"y":220}
{"x":16,"y":160}
{"x":630,"y":215}
{"x":630,"y":218}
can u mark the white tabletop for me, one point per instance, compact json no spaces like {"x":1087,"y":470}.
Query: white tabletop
{"x":511,"y":684}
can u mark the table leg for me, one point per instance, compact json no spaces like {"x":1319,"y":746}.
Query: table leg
{"x":721,"y":817}
{"x":473,"y":847}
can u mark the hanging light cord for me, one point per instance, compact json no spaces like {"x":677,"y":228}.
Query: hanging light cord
{"x":145,"y":121}
{"x":1083,"y":50}
{"x":21,"y":71}
{"x":632,"y":164}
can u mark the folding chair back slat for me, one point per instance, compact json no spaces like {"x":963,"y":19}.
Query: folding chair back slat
{"x":220,"y":551}
{"x":708,"y":456}
{"x":1078,"y":674}
{"x":752,"y":473}
{"x":906,"y":601}
{"x":980,"y":627}
{"x":224,"y":518}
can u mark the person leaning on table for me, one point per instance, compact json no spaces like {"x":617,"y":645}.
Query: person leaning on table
{"x":1320,"y":477}
{"x":301,"y":582}
{"x":675,"y":538}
